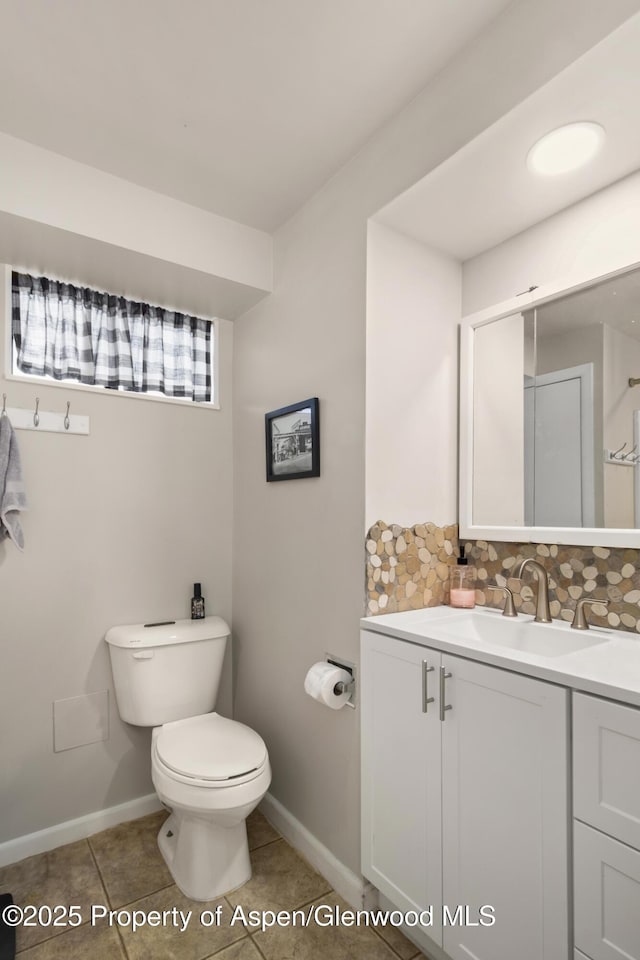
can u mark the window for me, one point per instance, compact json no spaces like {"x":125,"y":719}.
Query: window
{"x":70,"y":333}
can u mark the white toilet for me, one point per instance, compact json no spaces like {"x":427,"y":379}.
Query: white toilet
{"x":211,"y":772}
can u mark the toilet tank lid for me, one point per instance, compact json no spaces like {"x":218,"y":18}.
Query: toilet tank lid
{"x":163,"y":634}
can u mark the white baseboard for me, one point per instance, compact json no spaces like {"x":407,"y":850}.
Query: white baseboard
{"x":353,"y":888}
{"x":71,"y":830}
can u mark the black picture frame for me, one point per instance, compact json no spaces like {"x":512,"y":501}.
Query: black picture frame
{"x":293,"y":441}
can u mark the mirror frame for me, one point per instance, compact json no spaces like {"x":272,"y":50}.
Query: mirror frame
{"x":577,"y":536}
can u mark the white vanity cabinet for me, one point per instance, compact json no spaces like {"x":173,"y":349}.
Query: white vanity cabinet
{"x":606,"y":786}
{"x":401,"y":772}
{"x":465,"y":799}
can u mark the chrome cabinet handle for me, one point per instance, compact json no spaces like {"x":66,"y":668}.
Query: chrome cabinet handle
{"x":443,"y":706}
{"x":426,"y":700}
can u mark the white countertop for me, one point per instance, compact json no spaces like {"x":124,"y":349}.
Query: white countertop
{"x":610,"y":669}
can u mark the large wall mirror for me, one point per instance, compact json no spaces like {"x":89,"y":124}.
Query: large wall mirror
{"x":550,"y":418}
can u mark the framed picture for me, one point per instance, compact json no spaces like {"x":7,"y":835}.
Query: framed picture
{"x":293,"y":441}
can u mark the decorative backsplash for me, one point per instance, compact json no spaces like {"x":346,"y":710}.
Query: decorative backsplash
{"x":408,"y":568}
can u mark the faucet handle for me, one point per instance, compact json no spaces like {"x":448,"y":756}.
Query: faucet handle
{"x":509,"y":606}
{"x":580,"y":621}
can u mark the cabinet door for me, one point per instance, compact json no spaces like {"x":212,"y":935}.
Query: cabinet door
{"x":401,"y":801}
{"x":607,"y":896}
{"x":606,"y":766}
{"x":505,"y":814}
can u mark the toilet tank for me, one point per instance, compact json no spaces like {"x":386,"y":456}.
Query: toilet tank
{"x":167,"y":671}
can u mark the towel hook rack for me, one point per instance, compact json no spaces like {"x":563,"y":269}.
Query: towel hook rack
{"x":43,"y":420}
{"x":4,"y":405}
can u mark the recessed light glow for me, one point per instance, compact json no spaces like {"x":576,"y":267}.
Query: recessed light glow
{"x":565,"y":149}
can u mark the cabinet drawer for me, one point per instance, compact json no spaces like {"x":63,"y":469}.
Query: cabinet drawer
{"x":606,"y":766}
{"x":606,"y":896}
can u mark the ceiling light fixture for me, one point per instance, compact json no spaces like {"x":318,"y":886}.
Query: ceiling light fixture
{"x":565,"y":148}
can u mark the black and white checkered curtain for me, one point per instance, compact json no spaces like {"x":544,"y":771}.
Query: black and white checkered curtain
{"x":74,"y":333}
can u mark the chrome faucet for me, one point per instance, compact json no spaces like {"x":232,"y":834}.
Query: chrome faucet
{"x":543,"y":613}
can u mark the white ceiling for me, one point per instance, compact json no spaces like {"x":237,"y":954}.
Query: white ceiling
{"x":241,"y":107}
{"x":485,"y":194}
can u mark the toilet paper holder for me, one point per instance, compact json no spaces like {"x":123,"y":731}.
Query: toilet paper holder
{"x":350,"y":685}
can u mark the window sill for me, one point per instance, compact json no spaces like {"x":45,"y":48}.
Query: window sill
{"x":103,"y":391}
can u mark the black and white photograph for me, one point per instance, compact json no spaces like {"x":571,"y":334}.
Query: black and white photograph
{"x":292,"y":438}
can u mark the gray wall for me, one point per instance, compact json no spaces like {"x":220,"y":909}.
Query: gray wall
{"x":121,"y":523}
{"x":298,"y":558}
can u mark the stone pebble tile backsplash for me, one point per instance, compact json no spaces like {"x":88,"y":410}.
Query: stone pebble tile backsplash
{"x":407,"y":568}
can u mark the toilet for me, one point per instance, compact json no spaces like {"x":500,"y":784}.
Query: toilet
{"x":211,"y":772}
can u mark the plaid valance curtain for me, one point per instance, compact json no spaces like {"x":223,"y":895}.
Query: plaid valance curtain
{"x":74,"y":333}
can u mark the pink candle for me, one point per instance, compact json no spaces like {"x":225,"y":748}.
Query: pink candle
{"x":462,"y":597}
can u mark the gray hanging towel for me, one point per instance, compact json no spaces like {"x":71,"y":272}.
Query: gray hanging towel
{"x":12,"y":495}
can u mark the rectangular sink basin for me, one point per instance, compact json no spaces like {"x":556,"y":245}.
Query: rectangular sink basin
{"x":542,"y":639}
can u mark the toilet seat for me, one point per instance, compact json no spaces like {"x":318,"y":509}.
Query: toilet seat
{"x":210,"y":751}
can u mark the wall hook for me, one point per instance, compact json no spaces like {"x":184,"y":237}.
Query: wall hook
{"x":67,"y":421}
{"x":617,"y":454}
{"x":36,"y":416}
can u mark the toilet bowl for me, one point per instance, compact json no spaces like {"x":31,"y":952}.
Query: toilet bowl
{"x":210,"y":771}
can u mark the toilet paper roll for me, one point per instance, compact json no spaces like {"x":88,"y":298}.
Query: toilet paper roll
{"x":320,"y":683}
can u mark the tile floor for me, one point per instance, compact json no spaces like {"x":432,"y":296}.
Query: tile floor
{"x":122,"y":869}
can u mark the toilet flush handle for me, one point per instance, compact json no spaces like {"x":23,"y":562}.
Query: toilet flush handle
{"x":143,"y":655}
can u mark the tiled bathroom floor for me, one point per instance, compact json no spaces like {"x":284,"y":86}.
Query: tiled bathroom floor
{"x":122,"y":869}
